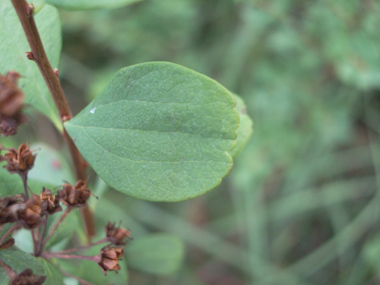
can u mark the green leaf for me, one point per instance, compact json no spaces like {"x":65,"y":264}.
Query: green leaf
{"x":12,"y":54}
{"x":54,"y":275}
{"x":90,"y":4}
{"x":159,"y":132}
{"x":19,"y":260}
{"x":159,"y":254}
{"x":50,"y":166}
{"x":245,"y":127}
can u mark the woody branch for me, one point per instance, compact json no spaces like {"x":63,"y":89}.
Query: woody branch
{"x":38,"y":55}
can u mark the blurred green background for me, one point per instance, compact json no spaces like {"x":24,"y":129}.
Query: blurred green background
{"x":301,"y":205}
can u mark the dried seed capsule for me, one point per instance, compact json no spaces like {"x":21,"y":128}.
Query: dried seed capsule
{"x":11,"y":103}
{"x":31,"y":214}
{"x":18,"y":161}
{"x":49,"y":202}
{"x":76,"y":195}
{"x":27,"y":277}
{"x":117,"y":234}
{"x":110,"y":257}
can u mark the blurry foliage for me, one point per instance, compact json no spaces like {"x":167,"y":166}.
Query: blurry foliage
{"x":302,"y":200}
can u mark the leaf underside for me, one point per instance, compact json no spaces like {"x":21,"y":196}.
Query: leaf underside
{"x":13,"y":46}
{"x":159,"y":132}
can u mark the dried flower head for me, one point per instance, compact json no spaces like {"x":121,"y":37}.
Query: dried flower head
{"x":27,"y":277}
{"x":11,"y":102}
{"x":7,"y":244}
{"x":9,"y":208}
{"x":110,"y":256}
{"x":18,"y":161}
{"x":31,"y":214}
{"x":117,"y":234}
{"x":49,"y":202}
{"x":76,"y":195}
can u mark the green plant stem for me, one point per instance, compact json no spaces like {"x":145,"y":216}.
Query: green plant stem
{"x":9,"y":232}
{"x":38,"y":54}
{"x":65,"y":213}
{"x":83,"y":247}
{"x":75,"y":277}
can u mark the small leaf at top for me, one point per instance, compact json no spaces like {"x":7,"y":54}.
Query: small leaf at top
{"x":245,"y":127}
{"x":159,"y":254}
{"x":159,"y":132}
{"x":13,"y":46}
{"x":90,"y":4}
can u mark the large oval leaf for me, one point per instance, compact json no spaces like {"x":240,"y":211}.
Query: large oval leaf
{"x":13,"y":46}
{"x":159,"y":132}
{"x":90,"y":4}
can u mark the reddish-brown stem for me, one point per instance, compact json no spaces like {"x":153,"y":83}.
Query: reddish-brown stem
{"x":8,"y":269}
{"x":65,"y":213}
{"x":24,"y":178}
{"x":83,"y":247}
{"x":34,"y":241}
{"x":40,"y":245}
{"x":9,"y":232}
{"x":75,"y":277}
{"x":48,"y":255}
{"x":38,"y":54}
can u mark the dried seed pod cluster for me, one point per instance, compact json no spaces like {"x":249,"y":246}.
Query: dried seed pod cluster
{"x":18,"y":161}
{"x":117,"y":234}
{"x":27,"y":277}
{"x":109,"y":258}
{"x":75,"y":195}
{"x":11,"y":103}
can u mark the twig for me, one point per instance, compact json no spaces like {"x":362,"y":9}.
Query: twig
{"x":40,"y":245}
{"x":9,"y":232}
{"x":34,"y":241}
{"x":24,"y":178}
{"x":83,"y":247}
{"x":65,"y":213}
{"x":48,"y":255}
{"x":38,"y":54}
{"x":75,"y":277}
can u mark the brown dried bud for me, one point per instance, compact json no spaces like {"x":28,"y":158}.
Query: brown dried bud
{"x":76,"y":195}
{"x":7,"y":244}
{"x":20,"y":161}
{"x":9,"y":207}
{"x":31,"y":214}
{"x":11,"y":102}
{"x":117,"y":234}
{"x":26,"y":277}
{"x":110,"y":257}
{"x":49,"y":202}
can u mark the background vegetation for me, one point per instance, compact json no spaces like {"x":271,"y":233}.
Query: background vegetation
{"x":301,"y":205}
